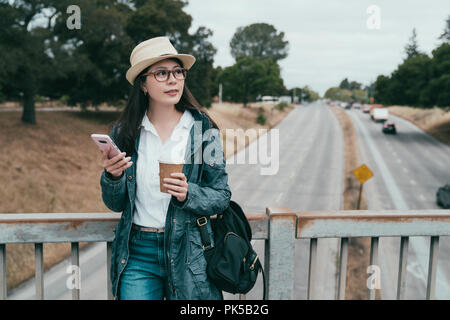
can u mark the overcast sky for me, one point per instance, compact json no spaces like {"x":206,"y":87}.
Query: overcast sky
{"x":329,"y":40}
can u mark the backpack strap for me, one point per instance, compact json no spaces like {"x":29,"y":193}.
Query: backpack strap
{"x":204,"y":234}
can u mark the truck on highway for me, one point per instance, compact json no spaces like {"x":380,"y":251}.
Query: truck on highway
{"x":380,"y":114}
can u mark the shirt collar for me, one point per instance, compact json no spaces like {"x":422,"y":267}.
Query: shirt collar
{"x":185,"y":122}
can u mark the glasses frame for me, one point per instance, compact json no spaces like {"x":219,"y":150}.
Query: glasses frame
{"x":184,"y":70}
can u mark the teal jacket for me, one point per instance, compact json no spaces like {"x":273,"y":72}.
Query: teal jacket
{"x":208,"y":194}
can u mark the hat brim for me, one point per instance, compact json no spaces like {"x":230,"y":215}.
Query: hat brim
{"x":133,"y":71}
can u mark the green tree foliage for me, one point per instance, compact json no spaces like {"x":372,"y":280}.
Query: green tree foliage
{"x":87,"y":66}
{"x":437,"y":91}
{"x":92,"y":61}
{"x":445,"y":36}
{"x":349,"y":93}
{"x":250,"y":77}
{"x":24,"y":61}
{"x":309,"y":95}
{"x":419,"y":80}
{"x":259,"y":40}
{"x":412,"y":47}
{"x":353,"y":85}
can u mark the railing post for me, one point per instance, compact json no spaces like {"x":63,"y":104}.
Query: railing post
{"x":312,"y":267}
{"x":432,"y":267}
{"x":39,"y":270}
{"x":401,"y":284}
{"x":3,"y":290}
{"x":282,"y":228}
{"x":343,"y":258}
{"x":108,"y":270}
{"x":373,"y":262}
{"x":76,"y":275}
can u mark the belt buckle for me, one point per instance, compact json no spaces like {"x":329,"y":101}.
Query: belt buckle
{"x":201,"y":222}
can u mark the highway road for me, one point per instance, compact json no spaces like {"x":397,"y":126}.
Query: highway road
{"x":307,"y":175}
{"x":408,"y":169}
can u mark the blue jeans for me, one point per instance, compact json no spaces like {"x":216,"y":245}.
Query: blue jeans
{"x":145,"y":275}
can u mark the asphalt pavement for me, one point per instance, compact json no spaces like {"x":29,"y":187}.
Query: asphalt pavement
{"x":408,"y":169}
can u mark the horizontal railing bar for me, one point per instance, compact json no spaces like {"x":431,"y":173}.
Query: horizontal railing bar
{"x":374,"y":214}
{"x":57,"y":217}
{"x":82,"y":227}
{"x":259,"y":222}
{"x":341,"y":224}
{"x":32,"y":228}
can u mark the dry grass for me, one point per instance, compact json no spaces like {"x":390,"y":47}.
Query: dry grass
{"x":358,"y":250}
{"x":435,"y":121}
{"x":50,"y":167}
{"x":55,"y":167}
{"x":234,"y":116}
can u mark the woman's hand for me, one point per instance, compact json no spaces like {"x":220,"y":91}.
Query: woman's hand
{"x":177,"y":186}
{"x":116,"y":165}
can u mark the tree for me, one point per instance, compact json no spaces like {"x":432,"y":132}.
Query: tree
{"x":166,"y":17}
{"x":412,"y":47}
{"x":344,"y":84}
{"x":23,"y":49}
{"x":92,"y":61}
{"x":250,"y":77}
{"x":445,"y":36}
{"x":437,"y":91}
{"x":309,"y":94}
{"x":260,"y":41}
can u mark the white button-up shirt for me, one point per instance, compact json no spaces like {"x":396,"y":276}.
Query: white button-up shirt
{"x":151,"y":204}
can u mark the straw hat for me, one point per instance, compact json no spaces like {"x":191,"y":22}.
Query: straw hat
{"x":151,"y":51}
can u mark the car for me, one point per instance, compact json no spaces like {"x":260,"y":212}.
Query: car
{"x":366,"y":109}
{"x":389,"y":127}
{"x":357,"y":105}
{"x":443,"y":196}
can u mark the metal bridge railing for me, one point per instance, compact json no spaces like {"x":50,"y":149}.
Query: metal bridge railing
{"x":279,"y":227}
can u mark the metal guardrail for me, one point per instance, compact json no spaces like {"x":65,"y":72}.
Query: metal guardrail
{"x":279,"y":227}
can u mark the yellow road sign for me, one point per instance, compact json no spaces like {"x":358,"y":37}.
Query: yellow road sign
{"x":363,"y":173}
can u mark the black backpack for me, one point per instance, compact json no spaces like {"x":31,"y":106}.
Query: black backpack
{"x":232,"y":264}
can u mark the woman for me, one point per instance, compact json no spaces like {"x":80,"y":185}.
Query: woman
{"x":157,"y":251}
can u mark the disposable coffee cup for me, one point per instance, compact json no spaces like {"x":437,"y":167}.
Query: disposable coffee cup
{"x":166,"y":168}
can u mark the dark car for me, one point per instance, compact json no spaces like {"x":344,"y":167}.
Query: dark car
{"x":443,"y":196}
{"x":389,"y":127}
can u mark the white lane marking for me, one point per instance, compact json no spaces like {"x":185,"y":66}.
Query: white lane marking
{"x":422,"y":197}
{"x":418,"y":244}
{"x":413,"y":182}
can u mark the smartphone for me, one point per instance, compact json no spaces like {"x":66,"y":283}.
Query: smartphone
{"x":103,"y":141}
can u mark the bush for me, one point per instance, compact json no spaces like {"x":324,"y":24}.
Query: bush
{"x":281,"y":106}
{"x":261,"y":118}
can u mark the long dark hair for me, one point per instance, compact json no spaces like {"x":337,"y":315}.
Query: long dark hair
{"x":130,"y":119}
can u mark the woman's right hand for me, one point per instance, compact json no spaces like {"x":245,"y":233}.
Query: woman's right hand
{"x":116,"y":165}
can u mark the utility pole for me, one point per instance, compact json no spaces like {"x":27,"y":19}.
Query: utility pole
{"x":220,"y":93}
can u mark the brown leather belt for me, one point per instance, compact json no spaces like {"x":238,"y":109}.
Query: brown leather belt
{"x":148,"y":229}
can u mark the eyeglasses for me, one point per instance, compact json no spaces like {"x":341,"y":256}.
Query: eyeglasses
{"x":164,"y":74}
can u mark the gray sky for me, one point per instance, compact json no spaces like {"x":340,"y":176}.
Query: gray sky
{"x":329,"y":40}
